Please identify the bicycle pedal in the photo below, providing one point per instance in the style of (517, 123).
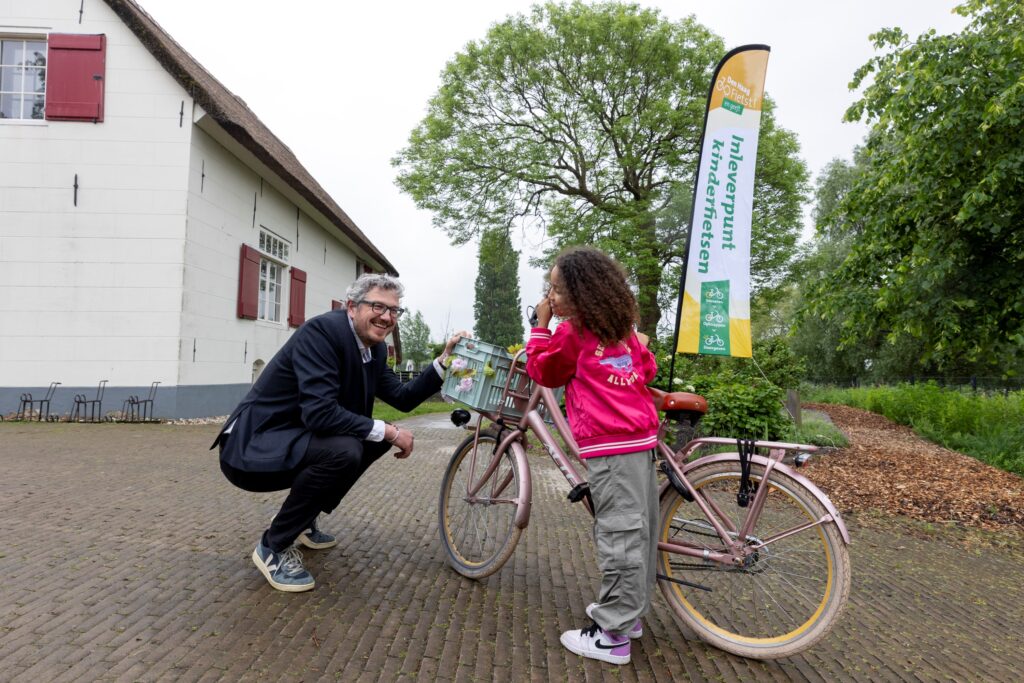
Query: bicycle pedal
(674, 480)
(579, 492)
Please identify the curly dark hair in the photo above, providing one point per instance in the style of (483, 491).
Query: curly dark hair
(599, 295)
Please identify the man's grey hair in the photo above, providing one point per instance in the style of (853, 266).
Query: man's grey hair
(364, 283)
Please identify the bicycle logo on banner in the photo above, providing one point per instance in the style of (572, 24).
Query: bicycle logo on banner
(715, 317)
(714, 340)
(714, 293)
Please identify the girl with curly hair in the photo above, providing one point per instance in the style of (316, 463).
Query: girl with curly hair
(605, 365)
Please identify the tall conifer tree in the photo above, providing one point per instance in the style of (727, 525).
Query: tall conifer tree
(497, 309)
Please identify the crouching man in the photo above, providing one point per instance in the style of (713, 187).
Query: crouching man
(305, 425)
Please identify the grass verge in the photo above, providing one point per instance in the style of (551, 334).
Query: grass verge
(382, 411)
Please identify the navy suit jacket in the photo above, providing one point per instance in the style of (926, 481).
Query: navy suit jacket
(317, 384)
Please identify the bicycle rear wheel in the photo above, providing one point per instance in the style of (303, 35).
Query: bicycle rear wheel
(790, 592)
(477, 513)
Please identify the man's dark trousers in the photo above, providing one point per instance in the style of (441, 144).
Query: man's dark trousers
(331, 465)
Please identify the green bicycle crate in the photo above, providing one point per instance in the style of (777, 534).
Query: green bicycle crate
(480, 383)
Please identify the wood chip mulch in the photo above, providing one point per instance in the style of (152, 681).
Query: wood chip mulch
(890, 469)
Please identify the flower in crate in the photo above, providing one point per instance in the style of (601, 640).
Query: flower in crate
(465, 384)
(488, 370)
(514, 349)
(458, 364)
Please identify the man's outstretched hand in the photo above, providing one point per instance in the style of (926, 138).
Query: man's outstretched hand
(403, 442)
(450, 346)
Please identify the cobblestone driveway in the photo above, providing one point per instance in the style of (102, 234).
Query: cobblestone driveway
(124, 556)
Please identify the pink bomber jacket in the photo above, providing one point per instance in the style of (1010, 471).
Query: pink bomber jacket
(610, 411)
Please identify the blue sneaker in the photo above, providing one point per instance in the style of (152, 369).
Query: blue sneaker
(636, 631)
(316, 539)
(283, 570)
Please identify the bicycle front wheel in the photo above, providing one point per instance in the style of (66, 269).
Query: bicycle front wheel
(479, 499)
(788, 594)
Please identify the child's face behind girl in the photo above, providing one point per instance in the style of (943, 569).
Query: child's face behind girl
(557, 295)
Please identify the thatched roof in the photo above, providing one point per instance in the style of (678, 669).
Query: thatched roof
(232, 114)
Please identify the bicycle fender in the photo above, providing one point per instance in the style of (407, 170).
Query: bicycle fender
(789, 472)
(522, 517)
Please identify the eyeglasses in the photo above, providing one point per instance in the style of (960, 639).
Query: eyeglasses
(378, 308)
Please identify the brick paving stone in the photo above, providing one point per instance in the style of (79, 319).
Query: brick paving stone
(145, 576)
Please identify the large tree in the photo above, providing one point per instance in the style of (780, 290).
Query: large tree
(415, 338)
(586, 120)
(498, 311)
(939, 250)
(817, 339)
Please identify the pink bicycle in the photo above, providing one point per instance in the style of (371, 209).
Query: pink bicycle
(752, 555)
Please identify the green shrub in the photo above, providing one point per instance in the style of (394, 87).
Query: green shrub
(741, 407)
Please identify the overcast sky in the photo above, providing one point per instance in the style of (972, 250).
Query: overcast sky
(343, 83)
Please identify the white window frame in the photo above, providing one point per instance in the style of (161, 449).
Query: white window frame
(274, 251)
(21, 93)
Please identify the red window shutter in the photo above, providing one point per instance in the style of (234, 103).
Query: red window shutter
(75, 76)
(249, 283)
(336, 305)
(297, 298)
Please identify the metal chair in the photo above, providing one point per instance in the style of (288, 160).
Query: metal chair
(92, 406)
(28, 404)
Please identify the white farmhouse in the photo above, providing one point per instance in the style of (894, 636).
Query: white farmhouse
(152, 229)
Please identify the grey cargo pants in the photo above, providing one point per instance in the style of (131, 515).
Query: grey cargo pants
(625, 492)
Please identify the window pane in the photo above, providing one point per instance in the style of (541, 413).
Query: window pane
(10, 107)
(11, 79)
(35, 53)
(10, 51)
(35, 80)
(34, 106)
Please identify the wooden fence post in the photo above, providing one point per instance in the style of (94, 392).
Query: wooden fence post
(793, 406)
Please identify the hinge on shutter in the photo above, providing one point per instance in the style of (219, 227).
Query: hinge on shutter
(181, 115)
(81, 10)
(76, 189)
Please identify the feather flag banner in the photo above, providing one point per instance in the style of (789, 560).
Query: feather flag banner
(714, 310)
